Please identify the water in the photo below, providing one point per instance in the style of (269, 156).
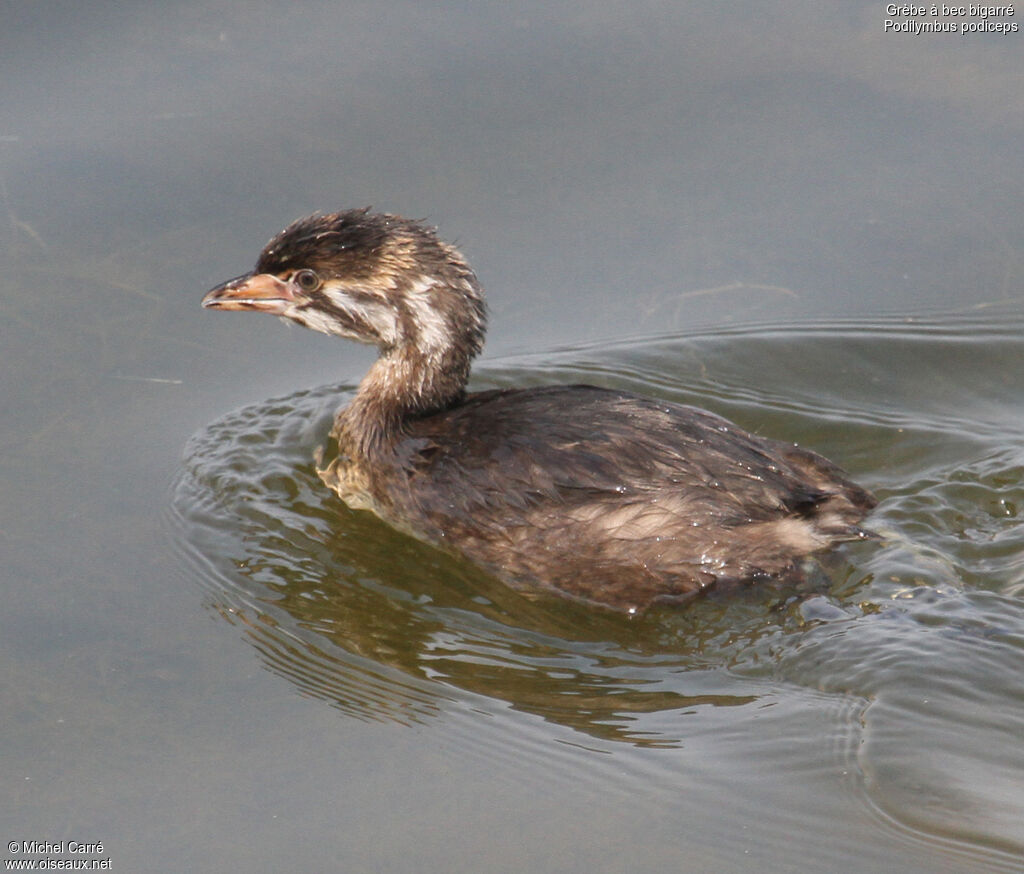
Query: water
(798, 220)
(886, 688)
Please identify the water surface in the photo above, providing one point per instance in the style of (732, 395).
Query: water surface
(781, 213)
(886, 687)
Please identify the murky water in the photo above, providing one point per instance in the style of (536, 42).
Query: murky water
(889, 683)
(210, 664)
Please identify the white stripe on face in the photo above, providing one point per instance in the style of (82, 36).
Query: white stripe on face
(378, 314)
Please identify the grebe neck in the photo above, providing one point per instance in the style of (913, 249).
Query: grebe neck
(423, 375)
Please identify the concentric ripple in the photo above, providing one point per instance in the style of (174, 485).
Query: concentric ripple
(899, 663)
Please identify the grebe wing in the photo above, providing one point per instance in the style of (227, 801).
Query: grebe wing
(580, 444)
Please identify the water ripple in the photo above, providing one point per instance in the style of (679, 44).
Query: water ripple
(894, 667)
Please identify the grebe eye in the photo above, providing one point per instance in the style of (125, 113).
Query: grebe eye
(307, 280)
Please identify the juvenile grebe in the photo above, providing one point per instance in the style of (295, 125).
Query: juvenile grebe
(600, 495)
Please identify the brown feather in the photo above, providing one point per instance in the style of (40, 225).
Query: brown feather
(600, 495)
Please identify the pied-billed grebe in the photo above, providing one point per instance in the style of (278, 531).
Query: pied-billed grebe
(601, 495)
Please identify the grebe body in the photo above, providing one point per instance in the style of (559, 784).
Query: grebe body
(595, 494)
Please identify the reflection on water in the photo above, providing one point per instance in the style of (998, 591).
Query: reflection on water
(912, 647)
(384, 626)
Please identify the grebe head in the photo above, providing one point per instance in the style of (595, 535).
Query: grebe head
(379, 279)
